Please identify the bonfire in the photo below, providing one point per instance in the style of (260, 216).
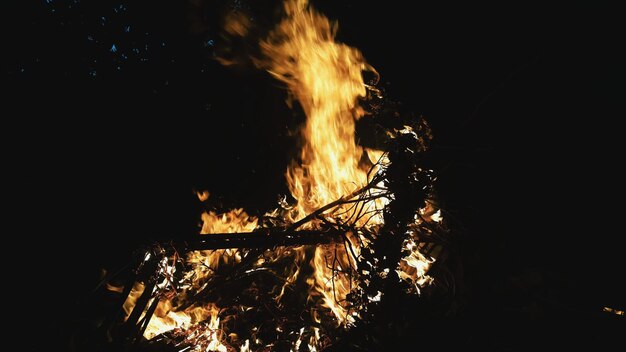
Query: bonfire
(360, 230)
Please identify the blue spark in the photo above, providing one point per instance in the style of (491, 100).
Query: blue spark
(113, 48)
(127, 29)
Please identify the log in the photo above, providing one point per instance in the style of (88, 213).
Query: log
(265, 238)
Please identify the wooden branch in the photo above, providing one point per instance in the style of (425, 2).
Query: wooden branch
(331, 205)
(143, 324)
(264, 238)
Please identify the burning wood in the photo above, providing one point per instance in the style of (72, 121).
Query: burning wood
(364, 229)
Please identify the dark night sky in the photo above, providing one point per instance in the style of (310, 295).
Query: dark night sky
(103, 149)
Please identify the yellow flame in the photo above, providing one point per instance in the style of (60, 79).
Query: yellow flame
(414, 267)
(326, 78)
(131, 300)
(236, 220)
(214, 334)
(166, 319)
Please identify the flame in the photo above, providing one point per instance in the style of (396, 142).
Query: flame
(413, 267)
(236, 220)
(326, 78)
(166, 319)
(129, 304)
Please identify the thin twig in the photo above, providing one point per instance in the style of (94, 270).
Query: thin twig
(326, 207)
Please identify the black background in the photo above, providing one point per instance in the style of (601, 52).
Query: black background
(523, 103)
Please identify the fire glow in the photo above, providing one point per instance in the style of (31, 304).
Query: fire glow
(334, 184)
